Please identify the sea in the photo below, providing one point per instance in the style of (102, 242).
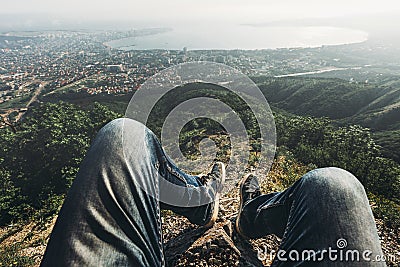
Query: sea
(242, 37)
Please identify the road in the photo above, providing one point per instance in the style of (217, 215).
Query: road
(21, 111)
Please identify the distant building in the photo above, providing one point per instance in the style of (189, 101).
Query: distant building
(184, 52)
(115, 68)
(220, 59)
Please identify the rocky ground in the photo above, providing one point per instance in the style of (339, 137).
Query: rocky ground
(186, 244)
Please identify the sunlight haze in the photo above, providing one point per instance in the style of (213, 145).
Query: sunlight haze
(245, 11)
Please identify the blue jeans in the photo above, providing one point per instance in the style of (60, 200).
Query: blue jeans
(324, 219)
(108, 220)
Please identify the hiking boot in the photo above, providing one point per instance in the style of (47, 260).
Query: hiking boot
(215, 179)
(211, 187)
(249, 189)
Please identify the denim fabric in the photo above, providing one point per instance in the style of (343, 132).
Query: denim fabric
(324, 206)
(108, 220)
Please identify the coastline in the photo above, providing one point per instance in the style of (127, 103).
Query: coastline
(130, 46)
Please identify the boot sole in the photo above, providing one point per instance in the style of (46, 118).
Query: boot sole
(217, 197)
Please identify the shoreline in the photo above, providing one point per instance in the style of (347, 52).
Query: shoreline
(132, 47)
(105, 44)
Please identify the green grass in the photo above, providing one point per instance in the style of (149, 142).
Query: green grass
(11, 256)
(386, 210)
(19, 102)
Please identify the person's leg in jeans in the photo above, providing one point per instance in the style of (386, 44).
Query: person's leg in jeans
(107, 218)
(326, 210)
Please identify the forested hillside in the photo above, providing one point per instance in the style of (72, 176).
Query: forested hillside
(370, 105)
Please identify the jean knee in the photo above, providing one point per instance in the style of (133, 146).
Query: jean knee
(120, 124)
(112, 128)
(333, 179)
(124, 130)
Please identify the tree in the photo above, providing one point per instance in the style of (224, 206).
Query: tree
(352, 148)
(41, 158)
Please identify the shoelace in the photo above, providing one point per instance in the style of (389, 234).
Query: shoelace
(204, 180)
(255, 194)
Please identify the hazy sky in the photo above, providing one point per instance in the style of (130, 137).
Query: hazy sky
(235, 10)
(124, 14)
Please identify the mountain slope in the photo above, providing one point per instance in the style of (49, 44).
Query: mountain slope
(374, 106)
